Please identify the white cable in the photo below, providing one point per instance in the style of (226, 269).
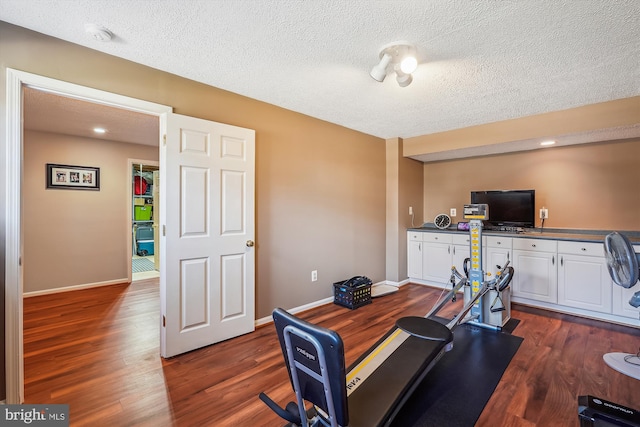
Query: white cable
(438, 300)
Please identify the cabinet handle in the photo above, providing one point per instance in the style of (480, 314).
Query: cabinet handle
(583, 249)
(553, 260)
(561, 261)
(419, 247)
(533, 245)
(499, 243)
(508, 256)
(454, 250)
(449, 249)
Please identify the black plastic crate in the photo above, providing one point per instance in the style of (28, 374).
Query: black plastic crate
(351, 296)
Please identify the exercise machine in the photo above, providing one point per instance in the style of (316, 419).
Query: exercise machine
(493, 309)
(373, 390)
(597, 412)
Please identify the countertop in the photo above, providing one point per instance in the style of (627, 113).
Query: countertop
(593, 236)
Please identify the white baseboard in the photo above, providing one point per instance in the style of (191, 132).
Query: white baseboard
(392, 283)
(269, 319)
(74, 288)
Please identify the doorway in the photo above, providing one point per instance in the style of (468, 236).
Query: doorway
(207, 241)
(16, 82)
(145, 261)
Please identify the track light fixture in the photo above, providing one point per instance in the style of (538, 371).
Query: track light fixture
(401, 56)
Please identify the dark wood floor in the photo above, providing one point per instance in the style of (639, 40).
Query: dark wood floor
(97, 350)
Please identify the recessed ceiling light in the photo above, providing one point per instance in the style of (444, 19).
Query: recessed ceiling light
(546, 143)
(99, 130)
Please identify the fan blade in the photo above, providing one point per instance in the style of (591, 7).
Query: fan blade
(622, 261)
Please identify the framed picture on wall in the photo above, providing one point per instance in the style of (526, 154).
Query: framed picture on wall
(67, 177)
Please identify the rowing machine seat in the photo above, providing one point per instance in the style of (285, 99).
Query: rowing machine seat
(315, 361)
(425, 328)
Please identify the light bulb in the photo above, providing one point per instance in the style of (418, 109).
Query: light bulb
(409, 64)
(403, 80)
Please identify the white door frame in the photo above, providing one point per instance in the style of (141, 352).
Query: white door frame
(14, 351)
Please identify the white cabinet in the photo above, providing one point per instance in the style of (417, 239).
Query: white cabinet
(535, 277)
(583, 278)
(498, 252)
(561, 275)
(414, 254)
(436, 257)
(621, 306)
(621, 297)
(460, 251)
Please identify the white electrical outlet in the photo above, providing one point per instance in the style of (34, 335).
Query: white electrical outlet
(544, 213)
(410, 210)
(314, 276)
(452, 212)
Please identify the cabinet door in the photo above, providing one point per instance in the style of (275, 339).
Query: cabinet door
(459, 253)
(620, 303)
(621, 297)
(496, 257)
(535, 275)
(584, 282)
(460, 250)
(436, 262)
(414, 258)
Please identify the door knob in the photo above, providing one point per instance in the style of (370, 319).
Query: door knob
(250, 243)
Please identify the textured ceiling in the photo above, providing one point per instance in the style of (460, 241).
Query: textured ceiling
(480, 61)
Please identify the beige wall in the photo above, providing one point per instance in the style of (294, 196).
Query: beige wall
(592, 186)
(579, 120)
(76, 237)
(320, 187)
(320, 202)
(393, 153)
(404, 190)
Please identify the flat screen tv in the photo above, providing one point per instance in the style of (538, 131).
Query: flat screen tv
(508, 208)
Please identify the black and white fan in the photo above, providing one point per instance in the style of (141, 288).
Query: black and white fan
(623, 265)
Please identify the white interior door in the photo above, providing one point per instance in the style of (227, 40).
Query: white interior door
(207, 171)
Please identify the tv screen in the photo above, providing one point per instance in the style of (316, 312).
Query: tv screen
(508, 208)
